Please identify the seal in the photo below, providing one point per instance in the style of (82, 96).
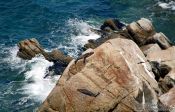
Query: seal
(87, 92)
(84, 56)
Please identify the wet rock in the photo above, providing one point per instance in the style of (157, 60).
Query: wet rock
(60, 62)
(168, 99)
(57, 55)
(110, 79)
(112, 24)
(95, 43)
(29, 48)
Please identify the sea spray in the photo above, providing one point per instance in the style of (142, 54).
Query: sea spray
(80, 33)
(36, 86)
(167, 5)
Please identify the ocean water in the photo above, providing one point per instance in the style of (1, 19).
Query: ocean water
(61, 24)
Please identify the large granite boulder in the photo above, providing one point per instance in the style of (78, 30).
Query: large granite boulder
(141, 30)
(114, 77)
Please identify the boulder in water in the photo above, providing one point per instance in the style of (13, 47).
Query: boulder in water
(29, 48)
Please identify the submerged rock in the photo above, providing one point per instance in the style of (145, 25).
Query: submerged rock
(111, 79)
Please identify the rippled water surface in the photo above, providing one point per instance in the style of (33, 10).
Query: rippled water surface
(62, 24)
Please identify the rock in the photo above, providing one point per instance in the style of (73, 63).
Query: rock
(146, 49)
(29, 48)
(60, 62)
(141, 31)
(95, 43)
(167, 55)
(56, 55)
(167, 59)
(111, 79)
(168, 99)
(161, 40)
(112, 24)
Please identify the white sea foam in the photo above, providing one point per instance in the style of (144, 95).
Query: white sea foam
(170, 5)
(84, 32)
(12, 60)
(34, 85)
(80, 34)
(37, 87)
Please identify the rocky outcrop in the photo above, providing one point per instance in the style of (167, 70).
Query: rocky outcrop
(141, 32)
(111, 79)
(129, 68)
(29, 48)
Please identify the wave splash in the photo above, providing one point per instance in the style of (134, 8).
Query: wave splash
(167, 5)
(34, 85)
(37, 87)
(80, 33)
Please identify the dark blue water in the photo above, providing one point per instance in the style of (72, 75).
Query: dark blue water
(59, 24)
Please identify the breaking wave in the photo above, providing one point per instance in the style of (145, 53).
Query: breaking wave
(33, 84)
(80, 33)
(167, 5)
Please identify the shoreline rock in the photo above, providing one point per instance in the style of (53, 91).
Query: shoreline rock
(106, 83)
(29, 48)
(129, 68)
